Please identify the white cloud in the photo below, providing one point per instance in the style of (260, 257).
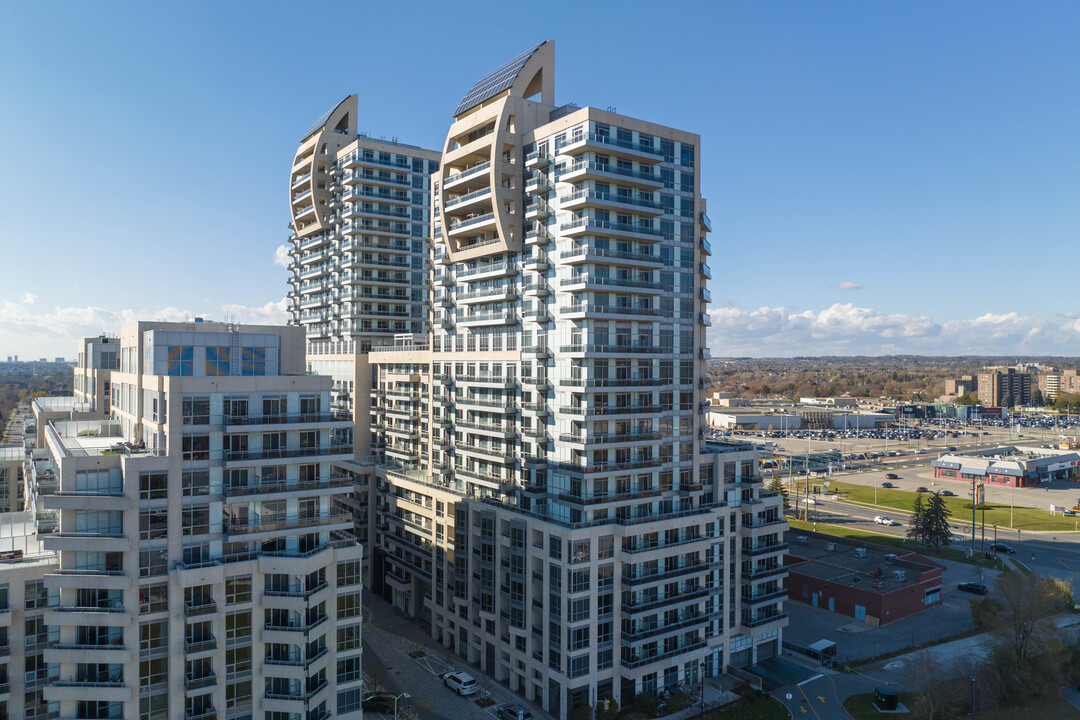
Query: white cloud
(846, 329)
(272, 313)
(846, 285)
(28, 298)
(281, 256)
(55, 333)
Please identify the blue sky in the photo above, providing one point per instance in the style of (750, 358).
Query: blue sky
(882, 177)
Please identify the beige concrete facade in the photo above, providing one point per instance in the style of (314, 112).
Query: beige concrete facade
(552, 510)
(203, 566)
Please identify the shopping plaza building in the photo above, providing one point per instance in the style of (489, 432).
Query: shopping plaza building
(543, 500)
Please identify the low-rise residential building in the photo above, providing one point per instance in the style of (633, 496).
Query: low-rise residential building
(11, 478)
(1009, 465)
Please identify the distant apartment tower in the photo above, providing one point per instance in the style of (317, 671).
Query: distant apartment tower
(201, 564)
(966, 385)
(1053, 384)
(1006, 386)
(547, 499)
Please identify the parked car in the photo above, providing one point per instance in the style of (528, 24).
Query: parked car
(1002, 547)
(887, 485)
(974, 588)
(378, 702)
(514, 712)
(921, 489)
(951, 448)
(892, 476)
(461, 683)
(882, 520)
(947, 493)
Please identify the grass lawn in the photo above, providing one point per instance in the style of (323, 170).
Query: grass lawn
(946, 553)
(1025, 518)
(861, 707)
(757, 707)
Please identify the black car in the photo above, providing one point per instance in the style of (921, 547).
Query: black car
(378, 702)
(892, 476)
(886, 485)
(1002, 547)
(975, 588)
(947, 493)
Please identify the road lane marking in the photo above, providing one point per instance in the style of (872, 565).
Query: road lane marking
(809, 680)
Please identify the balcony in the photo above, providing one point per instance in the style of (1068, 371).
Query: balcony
(297, 627)
(196, 646)
(277, 420)
(645, 179)
(198, 609)
(754, 550)
(237, 456)
(636, 661)
(609, 143)
(202, 681)
(324, 522)
(471, 173)
(474, 224)
(641, 204)
(753, 620)
(274, 487)
(637, 231)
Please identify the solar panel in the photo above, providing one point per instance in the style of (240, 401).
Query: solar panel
(495, 81)
(320, 122)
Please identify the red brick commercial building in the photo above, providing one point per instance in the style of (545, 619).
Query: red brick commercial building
(868, 582)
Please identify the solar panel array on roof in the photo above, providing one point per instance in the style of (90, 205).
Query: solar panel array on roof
(495, 81)
(320, 122)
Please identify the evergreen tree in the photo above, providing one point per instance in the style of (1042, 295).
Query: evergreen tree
(776, 485)
(918, 514)
(1037, 398)
(935, 522)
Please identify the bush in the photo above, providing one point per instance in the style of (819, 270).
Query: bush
(581, 712)
(646, 703)
(607, 709)
(983, 612)
(679, 701)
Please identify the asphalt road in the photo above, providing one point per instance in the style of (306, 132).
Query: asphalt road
(1054, 555)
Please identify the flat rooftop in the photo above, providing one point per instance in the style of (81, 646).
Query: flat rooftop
(872, 573)
(88, 437)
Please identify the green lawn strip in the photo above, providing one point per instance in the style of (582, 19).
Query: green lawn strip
(753, 707)
(1025, 518)
(945, 553)
(861, 707)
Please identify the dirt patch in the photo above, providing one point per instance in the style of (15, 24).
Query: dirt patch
(417, 654)
(485, 702)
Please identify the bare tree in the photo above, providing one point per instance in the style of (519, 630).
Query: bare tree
(935, 683)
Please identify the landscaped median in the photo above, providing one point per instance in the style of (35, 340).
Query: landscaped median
(1023, 518)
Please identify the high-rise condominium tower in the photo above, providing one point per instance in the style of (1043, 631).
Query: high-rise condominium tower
(196, 563)
(553, 510)
(359, 247)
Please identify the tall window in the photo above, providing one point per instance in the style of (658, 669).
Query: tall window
(217, 361)
(180, 360)
(253, 361)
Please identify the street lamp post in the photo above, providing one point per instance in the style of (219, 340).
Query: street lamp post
(402, 695)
